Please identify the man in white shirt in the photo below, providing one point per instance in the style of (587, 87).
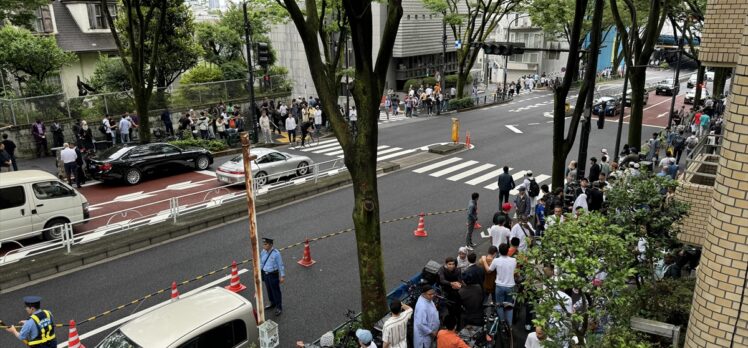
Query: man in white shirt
(499, 234)
(522, 231)
(556, 218)
(395, 328)
(68, 157)
(536, 339)
(504, 267)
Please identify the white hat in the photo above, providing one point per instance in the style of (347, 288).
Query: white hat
(528, 173)
(636, 165)
(605, 151)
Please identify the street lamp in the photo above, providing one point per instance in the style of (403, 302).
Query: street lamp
(506, 58)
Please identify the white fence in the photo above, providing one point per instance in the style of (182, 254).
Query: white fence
(158, 212)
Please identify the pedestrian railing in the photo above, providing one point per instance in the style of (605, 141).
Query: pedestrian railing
(162, 211)
(702, 162)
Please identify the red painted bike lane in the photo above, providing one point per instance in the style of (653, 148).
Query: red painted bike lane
(656, 111)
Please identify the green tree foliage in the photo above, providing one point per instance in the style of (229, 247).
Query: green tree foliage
(471, 22)
(109, 76)
(20, 12)
(201, 73)
(31, 57)
(220, 43)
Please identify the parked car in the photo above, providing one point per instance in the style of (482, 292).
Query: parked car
(667, 87)
(612, 106)
(34, 200)
(692, 80)
(691, 94)
(709, 76)
(269, 165)
(214, 317)
(131, 162)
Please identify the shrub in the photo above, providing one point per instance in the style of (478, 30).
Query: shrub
(451, 80)
(456, 104)
(204, 72)
(425, 81)
(211, 145)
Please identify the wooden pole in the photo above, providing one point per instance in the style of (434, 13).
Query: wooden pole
(254, 243)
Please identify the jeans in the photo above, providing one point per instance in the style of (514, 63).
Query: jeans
(469, 235)
(292, 135)
(124, 137)
(505, 295)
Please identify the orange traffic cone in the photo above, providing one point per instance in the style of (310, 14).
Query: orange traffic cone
(467, 140)
(73, 340)
(421, 230)
(307, 261)
(174, 291)
(236, 284)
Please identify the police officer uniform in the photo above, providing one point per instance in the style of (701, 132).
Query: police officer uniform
(273, 271)
(39, 329)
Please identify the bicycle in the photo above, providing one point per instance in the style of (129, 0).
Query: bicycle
(349, 339)
(489, 334)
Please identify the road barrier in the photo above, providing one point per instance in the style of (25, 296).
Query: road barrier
(158, 212)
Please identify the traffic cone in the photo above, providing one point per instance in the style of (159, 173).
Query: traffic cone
(73, 340)
(467, 140)
(307, 261)
(174, 291)
(421, 230)
(236, 284)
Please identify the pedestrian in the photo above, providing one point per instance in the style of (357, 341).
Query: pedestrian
(202, 126)
(68, 157)
(489, 277)
(317, 121)
(506, 184)
(462, 260)
(353, 117)
(524, 232)
(522, 203)
(166, 119)
(536, 339)
(504, 267)
(595, 169)
(395, 328)
(540, 217)
(448, 337)
(472, 219)
(273, 274)
(291, 128)
(221, 127)
(86, 136)
(595, 197)
(498, 232)
(107, 127)
(265, 127)
(556, 218)
(425, 319)
(58, 137)
(704, 124)
(10, 148)
(365, 339)
(80, 174)
(124, 130)
(39, 329)
(5, 162)
(533, 190)
(450, 281)
(39, 132)
(691, 143)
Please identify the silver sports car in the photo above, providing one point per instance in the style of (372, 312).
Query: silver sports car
(270, 166)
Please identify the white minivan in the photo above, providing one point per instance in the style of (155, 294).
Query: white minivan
(35, 202)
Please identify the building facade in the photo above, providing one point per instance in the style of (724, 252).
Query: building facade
(719, 312)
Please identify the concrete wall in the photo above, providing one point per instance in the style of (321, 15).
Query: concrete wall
(84, 68)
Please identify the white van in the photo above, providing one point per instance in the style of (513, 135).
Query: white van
(36, 202)
(213, 318)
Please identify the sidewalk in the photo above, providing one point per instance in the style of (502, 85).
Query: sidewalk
(46, 164)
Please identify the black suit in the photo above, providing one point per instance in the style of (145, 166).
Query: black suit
(594, 199)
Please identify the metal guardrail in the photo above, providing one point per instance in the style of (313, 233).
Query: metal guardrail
(158, 212)
(706, 152)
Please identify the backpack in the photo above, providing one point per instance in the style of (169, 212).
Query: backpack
(679, 142)
(102, 128)
(534, 189)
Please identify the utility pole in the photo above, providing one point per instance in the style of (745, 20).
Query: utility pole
(623, 109)
(676, 83)
(442, 78)
(253, 240)
(251, 72)
(594, 51)
(506, 58)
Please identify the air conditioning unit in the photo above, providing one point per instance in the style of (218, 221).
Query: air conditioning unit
(269, 334)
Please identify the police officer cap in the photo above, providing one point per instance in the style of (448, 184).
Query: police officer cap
(32, 300)
(267, 240)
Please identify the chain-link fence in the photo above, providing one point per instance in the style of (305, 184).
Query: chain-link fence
(21, 111)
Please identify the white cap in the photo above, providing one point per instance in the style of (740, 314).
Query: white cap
(605, 151)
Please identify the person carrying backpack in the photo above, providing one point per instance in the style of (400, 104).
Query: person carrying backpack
(533, 191)
(679, 143)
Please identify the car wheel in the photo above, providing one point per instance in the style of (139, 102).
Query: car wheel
(53, 229)
(261, 178)
(202, 163)
(133, 176)
(302, 169)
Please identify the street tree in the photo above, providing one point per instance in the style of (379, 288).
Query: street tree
(639, 39)
(31, 58)
(471, 22)
(562, 145)
(144, 22)
(585, 257)
(324, 27)
(109, 76)
(20, 12)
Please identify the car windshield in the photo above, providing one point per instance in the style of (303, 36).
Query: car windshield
(117, 340)
(113, 153)
(236, 159)
(667, 82)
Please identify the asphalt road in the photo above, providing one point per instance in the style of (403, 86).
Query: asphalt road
(323, 292)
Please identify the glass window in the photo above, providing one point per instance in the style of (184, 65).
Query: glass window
(228, 335)
(43, 20)
(52, 189)
(11, 197)
(275, 156)
(117, 340)
(97, 17)
(169, 149)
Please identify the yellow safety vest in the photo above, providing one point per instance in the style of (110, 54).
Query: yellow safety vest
(45, 327)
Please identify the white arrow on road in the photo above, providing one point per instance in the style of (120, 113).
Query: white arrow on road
(132, 197)
(182, 185)
(662, 114)
(513, 129)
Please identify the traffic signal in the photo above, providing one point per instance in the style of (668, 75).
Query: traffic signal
(263, 53)
(503, 48)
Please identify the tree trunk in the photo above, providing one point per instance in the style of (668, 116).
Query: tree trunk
(142, 100)
(461, 78)
(720, 78)
(700, 76)
(637, 82)
(559, 156)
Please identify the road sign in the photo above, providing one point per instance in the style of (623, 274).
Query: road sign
(458, 44)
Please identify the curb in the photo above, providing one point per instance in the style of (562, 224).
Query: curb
(58, 261)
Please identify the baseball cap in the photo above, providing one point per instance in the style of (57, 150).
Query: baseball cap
(364, 336)
(506, 206)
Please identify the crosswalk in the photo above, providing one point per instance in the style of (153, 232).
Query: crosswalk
(331, 147)
(393, 118)
(474, 173)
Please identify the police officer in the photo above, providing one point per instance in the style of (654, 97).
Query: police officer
(39, 329)
(273, 274)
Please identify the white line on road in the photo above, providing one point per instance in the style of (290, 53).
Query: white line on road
(437, 165)
(453, 168)
(148, 310)
(662, 115)
(513, 129)
(664, 101)
(490, 176)
(396, 154)
(470, 172)
(533, 124)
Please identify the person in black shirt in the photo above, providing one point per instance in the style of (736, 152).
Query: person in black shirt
(450, 280)
(10, 148)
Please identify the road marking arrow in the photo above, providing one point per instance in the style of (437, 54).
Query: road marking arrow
(513, 129)
(131, 197)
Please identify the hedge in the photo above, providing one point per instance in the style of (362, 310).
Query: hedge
(456, 104)
(211, 145)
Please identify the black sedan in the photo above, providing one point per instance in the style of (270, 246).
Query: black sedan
(131, 162)
(667, 87)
